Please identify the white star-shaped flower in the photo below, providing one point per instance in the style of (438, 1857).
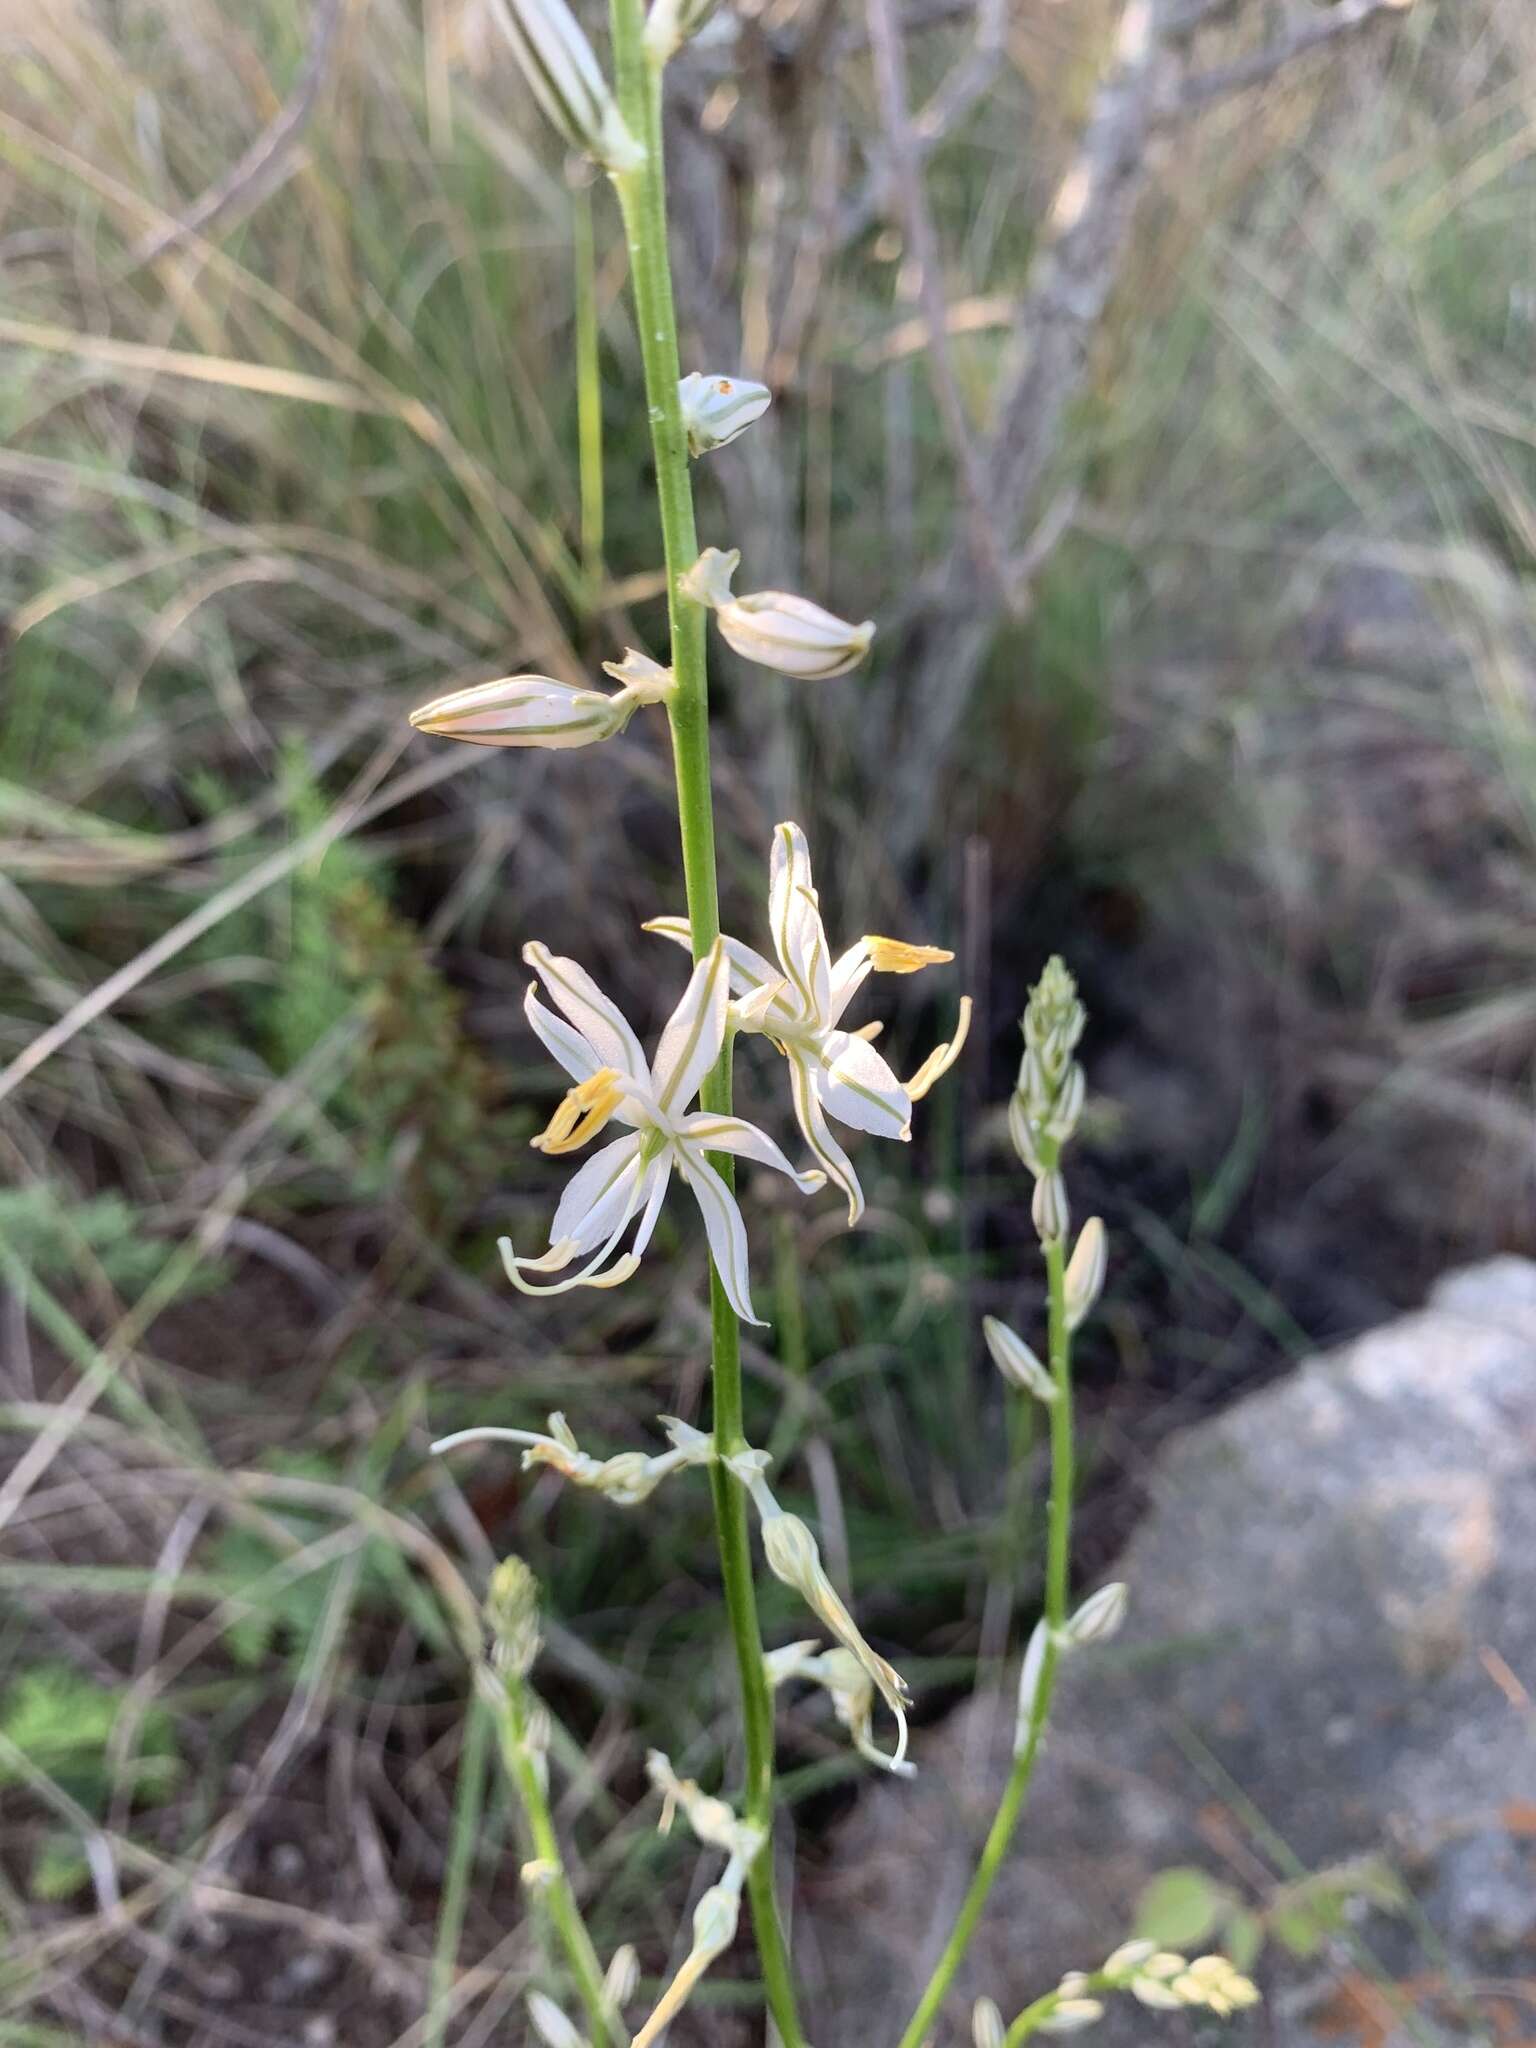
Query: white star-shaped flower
(800, 1004)
(628, 1177)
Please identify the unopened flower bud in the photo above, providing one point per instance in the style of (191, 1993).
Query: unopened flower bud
(1071, 2014)
(1085, 1272)
(1099, 1617)
(550, 2023)
(1062, 1120)
(511, 1613)
(1016, 1362)
(1025, 1134)
(1128, 1958)
(567, 80)
(622, 1977)
(717, 409)
(1049, 1208)
(986, 2024)
(1031, 1677)
(525, 711)
(774, 627)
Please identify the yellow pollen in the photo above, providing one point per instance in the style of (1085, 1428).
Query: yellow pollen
(582, 1112)
(895, 956)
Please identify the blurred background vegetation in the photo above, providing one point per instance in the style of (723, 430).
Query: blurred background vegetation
(1245, 730)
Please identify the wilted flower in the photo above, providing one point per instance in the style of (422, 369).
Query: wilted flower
(850, 1689)
(629, 1177)
(538, 711)
(800, 1004)
(1016, 1361)
(794, 1558)
(716, 1915)
(774, 627)
(716, 409)
(566, 79)
(627, 1479)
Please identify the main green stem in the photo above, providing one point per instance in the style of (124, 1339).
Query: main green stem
(642, 198)
(555, 1891)
(1058, 1557)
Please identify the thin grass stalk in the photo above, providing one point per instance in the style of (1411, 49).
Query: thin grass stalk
(589, 387)
(463, 1840)
(1058, 1559)
(642, 198)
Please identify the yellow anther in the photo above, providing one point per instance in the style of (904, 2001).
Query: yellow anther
(895, 956)
(943, 1057)
(582, 1112)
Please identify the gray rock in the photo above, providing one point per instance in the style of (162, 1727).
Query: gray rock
(1332, 1613)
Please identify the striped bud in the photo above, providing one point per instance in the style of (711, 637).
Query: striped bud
(1085, 1271)
(717, 409)
(1049, 1208)
(1016, 1362)
(567, 80)
(525, 711)
(1098, 1618)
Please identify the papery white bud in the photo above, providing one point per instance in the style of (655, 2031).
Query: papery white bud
(1085, 1271)
(774, 627)
(1053, 1217)
(1063, 1118)
(1129, 1958)
(986, 2024)
(1031, 1673)
(716, 409)
(567, 80)
(525, 711)
(1071, 2014)
(1073, 1984)
(1098, 1618)
(1022, 1130)
(671, 23)
(551, 2024)
(1016, 1362)
(622, 1977)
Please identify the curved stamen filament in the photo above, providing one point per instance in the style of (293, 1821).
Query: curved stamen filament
(943, 1057)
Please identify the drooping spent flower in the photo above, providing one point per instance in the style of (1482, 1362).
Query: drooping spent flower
(626, 1479)
(849, 1687)
(799, 1005)
(566, 79)
(794, 1558)
(716, 1915)
(774, 627)
(716, 409)
(539, 711)
(613, 1081)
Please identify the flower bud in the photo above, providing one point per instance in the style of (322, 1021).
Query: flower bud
(1099, 1617)
(1128, 1958)
(1049, 1208)
(774, 627)
(671, 23)
(525, 711)
(551, 2024)
(1031, 1675)
(1071, 2014)
(986, 2024)
(717, 409)
(567, 80)
(621, 1979)
(1016, 1362)
(511, 1613)
(1085, 1272)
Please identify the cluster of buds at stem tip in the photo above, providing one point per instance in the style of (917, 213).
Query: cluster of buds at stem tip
(1155, 1977)
(1048, 1097)
(627, 1479)
(566, 79)
(1095, 1621)
(511, 1615)
(794, 1558)
(716, 409)
(773, 627)
(538, 711)
(715, 1917)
